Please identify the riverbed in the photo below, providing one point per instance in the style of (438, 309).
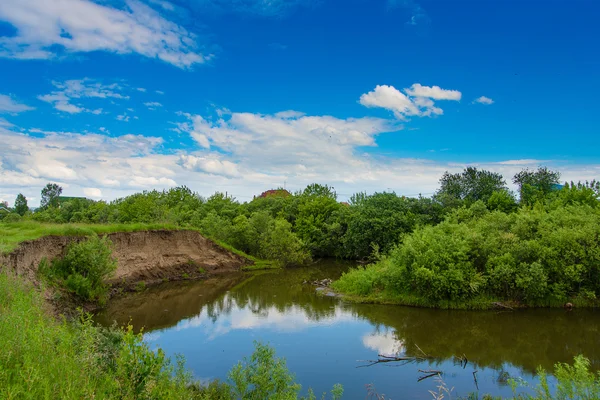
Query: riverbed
(214, 323)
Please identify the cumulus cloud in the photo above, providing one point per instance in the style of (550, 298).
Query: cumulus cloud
(415, 101)
(84, 26)
(94, 193)
(242, 153)
(153, 104)
(484, 100)
(433, 92)
(80, 89)
(209, 164)
(11, 106)
(291, 138)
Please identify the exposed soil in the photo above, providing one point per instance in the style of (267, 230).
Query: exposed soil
(150, 256)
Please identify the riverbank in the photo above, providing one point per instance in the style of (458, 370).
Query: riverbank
(145, 255)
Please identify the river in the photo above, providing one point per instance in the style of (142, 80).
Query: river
(214, 323)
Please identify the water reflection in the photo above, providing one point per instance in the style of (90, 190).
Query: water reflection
(385, 343)
(248, 316)
(323, 337)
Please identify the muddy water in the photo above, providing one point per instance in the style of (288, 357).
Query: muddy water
(214, 323)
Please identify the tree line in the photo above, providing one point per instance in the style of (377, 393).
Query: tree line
(312, 223)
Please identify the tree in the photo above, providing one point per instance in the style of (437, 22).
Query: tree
(536, 185)
(21, 205)
(469, 186)
(319, 190)
(50, 195)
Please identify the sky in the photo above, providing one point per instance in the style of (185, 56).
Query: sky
(111, 97)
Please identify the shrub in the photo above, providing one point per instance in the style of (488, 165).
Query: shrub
(536, 256)
(84, 268)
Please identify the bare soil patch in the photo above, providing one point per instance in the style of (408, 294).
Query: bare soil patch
(149, 256)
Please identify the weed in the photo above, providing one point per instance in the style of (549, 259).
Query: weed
(140, 286)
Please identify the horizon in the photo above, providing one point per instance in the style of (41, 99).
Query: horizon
(109, 98)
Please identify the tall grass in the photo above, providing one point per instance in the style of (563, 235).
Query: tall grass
(41, 358)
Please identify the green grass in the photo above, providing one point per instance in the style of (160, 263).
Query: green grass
(42, 358)
(13, 233)
(258, 265)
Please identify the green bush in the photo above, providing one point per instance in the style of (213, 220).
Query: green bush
(535, 256)
(84, 268)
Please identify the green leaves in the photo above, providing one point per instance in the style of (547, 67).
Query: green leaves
(84, 268)
(534, 256)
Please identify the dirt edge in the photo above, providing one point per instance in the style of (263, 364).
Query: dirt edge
(150, 257)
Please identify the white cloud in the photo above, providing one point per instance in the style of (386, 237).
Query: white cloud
(383, 343)
(209, 164)
(242, 153)
(141, 89)
(153, 104)
(123, 117)
(11, 106)
(84, 26)
(484, 100)
(4, 123)
(164, 4)
(415, 101)
(94, 193)
(433, 92)
(81, 89)
(390, 98)
(159, 92)
(264, 8)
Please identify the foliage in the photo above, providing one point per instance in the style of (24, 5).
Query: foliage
(573, 382)
(536, 185)
(50, 195)
(318, 223)
(84, 268)
(281, 244)
(502, 200)
(75, 360)
(262, 376)
(534, 256)
(21, 207)
(382, 219)
(49, 359)
(469, 186)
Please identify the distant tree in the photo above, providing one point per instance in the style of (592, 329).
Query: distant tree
(316, 189)
(21, 205)
(536, 185)
(469, 186)
(50, 195)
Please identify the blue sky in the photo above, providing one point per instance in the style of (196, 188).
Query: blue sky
(109, 97)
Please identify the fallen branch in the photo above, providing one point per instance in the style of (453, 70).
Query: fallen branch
(430, 371)
(438, 373)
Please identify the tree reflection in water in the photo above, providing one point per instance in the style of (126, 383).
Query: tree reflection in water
(279, 300)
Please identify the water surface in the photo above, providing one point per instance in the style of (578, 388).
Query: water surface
(213, 324)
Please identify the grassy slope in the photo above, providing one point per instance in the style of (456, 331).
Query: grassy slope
(13, 233)
(47, 359)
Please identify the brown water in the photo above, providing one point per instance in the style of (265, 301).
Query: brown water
(213, 324)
